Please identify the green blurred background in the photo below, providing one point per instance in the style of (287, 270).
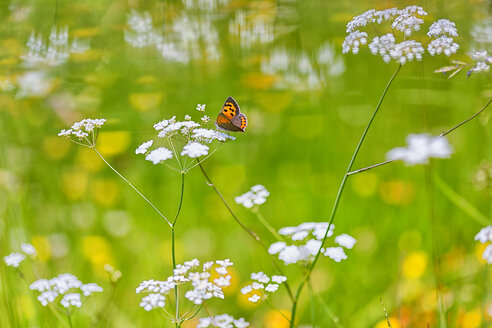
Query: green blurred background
(305, 118)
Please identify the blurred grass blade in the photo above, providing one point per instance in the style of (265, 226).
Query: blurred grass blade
(461, 202)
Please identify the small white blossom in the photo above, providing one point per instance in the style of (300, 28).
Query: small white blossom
(345, 240)
(142, 149)
(205, 119)
(28, 249)
(222, 321)
(200, 107)
(487, 254)
(90, 288)
(254, 298)
(83, 129)
(47, 297)
(442, 45)
(353, 41)
(14, 259)
(484, 235)
(72, 299)
(194, 150)
(420, 148)
(279, 279)
(271, 288)
(153, 301)
(260, 277)
(442, 27)
(258, 288)
(337, 254)
(256, 196)
(159, 155)
(187, 117)
(482, 61)
(407, 23)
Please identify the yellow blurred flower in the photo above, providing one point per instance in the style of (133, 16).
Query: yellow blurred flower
(43, 248)
(414, 265)
(471, 319)
(383, 323)
(479, 249)
(55, 147)
(113, 142)
(274, 101)
(273, 319)
(258, 81)
(97, 250)
(397, 192)
(364, 184)
(105, 191)
(88, 158)
(74, 183)
(144, 101)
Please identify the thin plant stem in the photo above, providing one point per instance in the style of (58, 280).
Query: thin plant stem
(105, 308)
(173, 245)
(69, 318)
(444, 133)
(326, 308)
(337, 198)
(134, 188)
(266, 224)
(311, 301)
(385, 313)
(249, 231)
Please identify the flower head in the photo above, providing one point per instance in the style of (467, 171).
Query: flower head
(420, 148)
(257, 195)
(306, 241)
(262, 286)
(442, 27)
(14, 259)
(222, 321)
(159, 155)
(194, 149)
(85, 131)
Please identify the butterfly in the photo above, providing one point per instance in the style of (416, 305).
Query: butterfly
(230, 117)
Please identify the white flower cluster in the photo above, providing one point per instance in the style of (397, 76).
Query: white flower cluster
(54, 52)
(407, 21)
(482, 61)
(202, 282)
(421, 147)
(86, 128)
(485, 236)
(14, 259)
(262, 286)
(442, 30)
(307, 239)
(194, 134)
(257, 195)
(61, 285)
(222, 321)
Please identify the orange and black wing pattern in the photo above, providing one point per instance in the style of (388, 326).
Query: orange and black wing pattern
(230, 117)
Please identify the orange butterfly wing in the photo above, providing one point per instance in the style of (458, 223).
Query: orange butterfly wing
(230, 117)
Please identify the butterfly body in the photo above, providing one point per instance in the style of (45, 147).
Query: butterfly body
(230, 117)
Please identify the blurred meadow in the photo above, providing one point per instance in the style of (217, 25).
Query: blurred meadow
(307, 105)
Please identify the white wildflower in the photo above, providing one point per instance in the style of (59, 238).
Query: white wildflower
(482, 61)
(353, 41)
(382, 46)
(345, 240)
(90, 288)
(72, 299)
(257, 195)
(28, 249)
(442, 45)
(407, 23)
(337, 254)
(200, 107)
(254, 298)
(361, 20)
(194, 150)
(271, 288)
(153, 301)
(487, 254)
(484, 235)
(187, 117)
(159, 155)
(14, 259)
(85, 130)
(47, 297)
(420, 148)
(205, 119)
(142, 149)
(442, 27)
(222, 321)
(279, 279)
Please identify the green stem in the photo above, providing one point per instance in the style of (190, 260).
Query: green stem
(69, 317)
(339, 194)
(249, 231)
(266, 224)
(134, 188)
(173, 245)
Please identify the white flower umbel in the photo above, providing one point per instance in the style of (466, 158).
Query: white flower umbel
(306, 242)
(159, 155)
(405, 21)
(442, 45)
(199, 284)
(184, 141)
(257, 195)
(194, 149)
(421, 147)
(50, 290)
(14, 259)
(28, 249)
(482, 61)
(222, 321)
(485, 236)
(200, 107)
(84, 132)
(442, 27)
(262, 286)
